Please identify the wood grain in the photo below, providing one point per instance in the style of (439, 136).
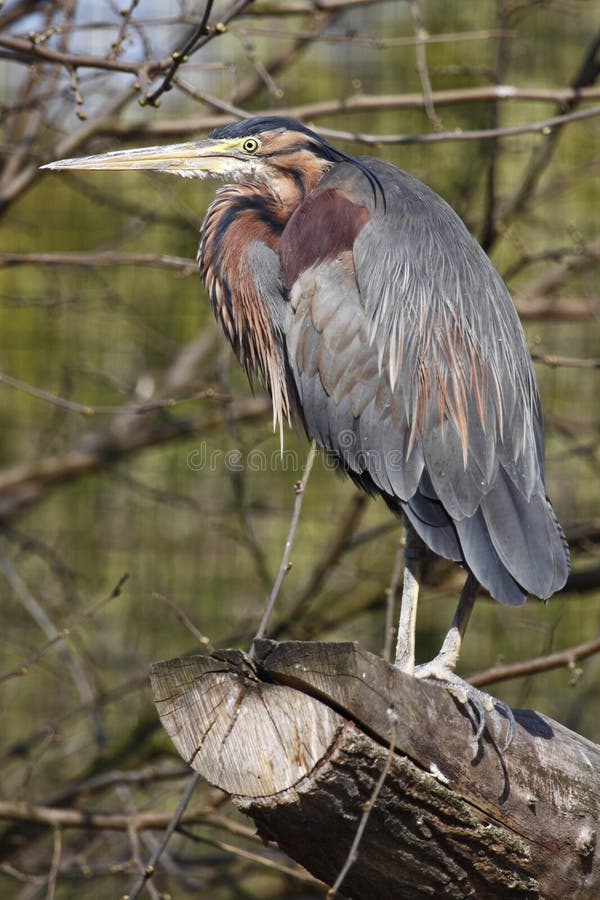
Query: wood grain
(301, 733)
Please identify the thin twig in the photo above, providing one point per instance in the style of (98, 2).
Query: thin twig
(338, 545)
(55, 864)
(353, 852)
(280, 62)
(65, 817)
(185, 620)
(36, 610)
(552, 277)
(382, 43)
(181, 264)
(542, 126)
(172, 826)
(23, 745)
(561, 255)
(107, 780)
(59, 637)
(30, 172)
(538, 664)
(181, 56)
(23, 484)
(421, 37)
(249, 856)
(92, 409)
(568, 309)
(200, 36)
(21, 135)
(239, 483)
(543, 153)
(129, 809)
(116, 48)
(571, 362)
(233, 111)
(285, 565)
(26, 50)
(491, 151)
(357, 103)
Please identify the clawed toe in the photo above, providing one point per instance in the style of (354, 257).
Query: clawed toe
(441, 668)
(480, 703)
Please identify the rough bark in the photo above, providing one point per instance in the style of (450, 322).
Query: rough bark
(300, 735)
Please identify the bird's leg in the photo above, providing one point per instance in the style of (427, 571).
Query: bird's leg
(405, 646)
(441, 668)
(443, 665)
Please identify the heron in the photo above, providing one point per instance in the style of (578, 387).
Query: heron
(372, 315)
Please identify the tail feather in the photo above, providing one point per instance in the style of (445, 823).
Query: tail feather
(482, 558)
(513, 546)
(526, 537)
(434, 526)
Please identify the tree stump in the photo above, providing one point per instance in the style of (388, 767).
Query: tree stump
(300, 735)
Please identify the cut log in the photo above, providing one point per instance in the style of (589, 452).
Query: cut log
(301, 734)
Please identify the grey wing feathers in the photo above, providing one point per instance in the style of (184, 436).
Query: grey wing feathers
(412, 368)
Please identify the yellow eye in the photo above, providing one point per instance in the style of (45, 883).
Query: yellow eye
(250, 145)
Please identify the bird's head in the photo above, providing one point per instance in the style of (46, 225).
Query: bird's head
(260, 149)
(269, 150)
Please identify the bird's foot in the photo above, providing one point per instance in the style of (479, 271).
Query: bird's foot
(468, 696)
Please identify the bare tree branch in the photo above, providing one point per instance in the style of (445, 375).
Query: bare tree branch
(199, 37)
(355, 103)
(534, 666)
(25, 484)
(549, 359)
(61, 817)
(542, 126)
(105, 324)
(102, 258)
(27, 51)
(541, 156)
(284, 566)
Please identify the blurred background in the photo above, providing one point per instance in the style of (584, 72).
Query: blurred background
(132, 446)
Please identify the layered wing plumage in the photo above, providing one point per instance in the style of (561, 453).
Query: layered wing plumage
(411, 368)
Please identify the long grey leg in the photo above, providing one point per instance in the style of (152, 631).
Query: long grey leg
(442, 668)
(445, 662)
(405, 646)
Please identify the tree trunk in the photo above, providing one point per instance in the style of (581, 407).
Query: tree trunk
(301, 735)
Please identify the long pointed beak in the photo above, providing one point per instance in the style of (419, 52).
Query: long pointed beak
(196, 159)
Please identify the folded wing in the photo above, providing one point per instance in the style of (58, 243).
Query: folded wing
(412, 370)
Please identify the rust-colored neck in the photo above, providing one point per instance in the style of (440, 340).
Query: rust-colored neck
(240, 216)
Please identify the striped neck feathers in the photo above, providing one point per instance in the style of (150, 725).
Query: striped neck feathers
(241, 217)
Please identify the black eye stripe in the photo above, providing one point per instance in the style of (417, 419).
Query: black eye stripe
(294, 148)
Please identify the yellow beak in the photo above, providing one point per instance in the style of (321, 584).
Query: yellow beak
(196, 159)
